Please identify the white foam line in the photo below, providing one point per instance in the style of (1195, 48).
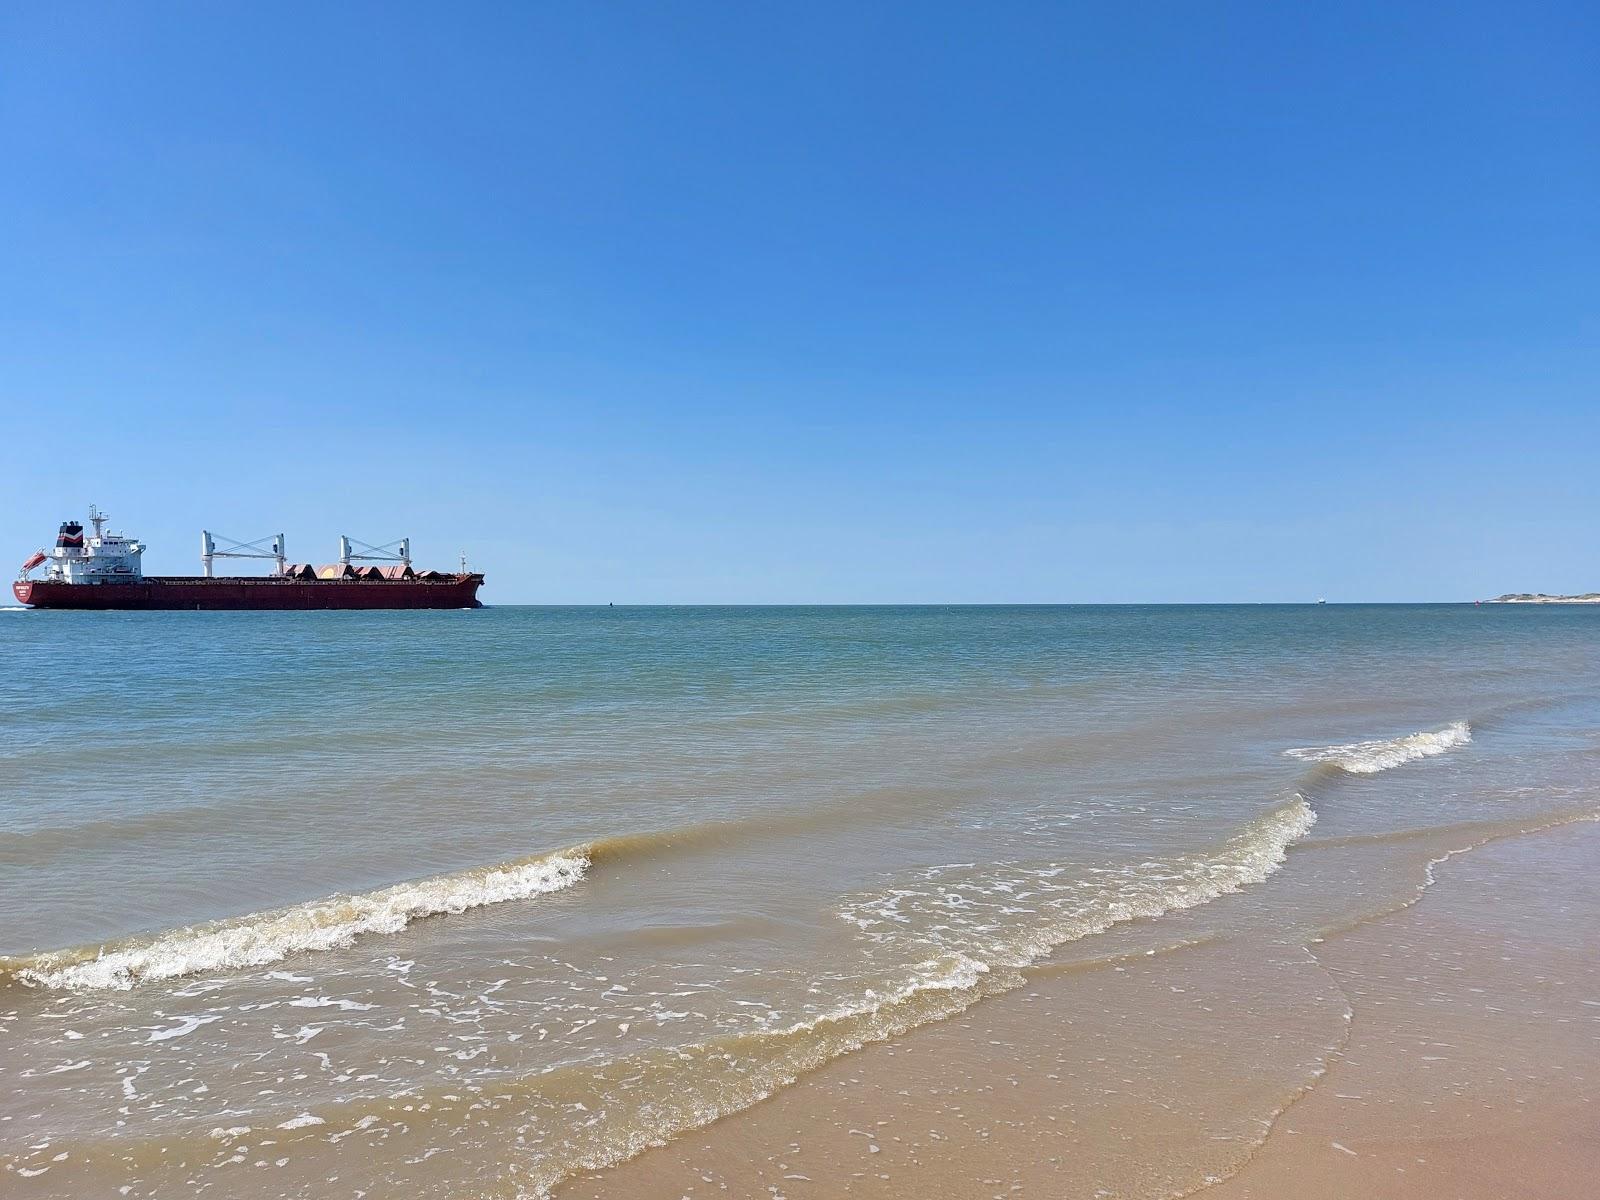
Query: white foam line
(1247, 858)
(1368, 758)
(260, 938)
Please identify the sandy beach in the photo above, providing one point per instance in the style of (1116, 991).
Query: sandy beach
(1467, 1068)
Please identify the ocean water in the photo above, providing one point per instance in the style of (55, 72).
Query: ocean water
(467, 903)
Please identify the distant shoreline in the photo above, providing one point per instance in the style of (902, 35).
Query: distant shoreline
(1541, 598)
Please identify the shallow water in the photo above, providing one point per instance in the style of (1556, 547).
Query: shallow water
(502, 895)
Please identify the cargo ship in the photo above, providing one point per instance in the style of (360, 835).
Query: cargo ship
(103, 570)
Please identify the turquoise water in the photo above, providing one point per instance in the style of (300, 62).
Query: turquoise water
(640, 833)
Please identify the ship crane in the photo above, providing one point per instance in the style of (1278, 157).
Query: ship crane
(273, 549)
(396, 551)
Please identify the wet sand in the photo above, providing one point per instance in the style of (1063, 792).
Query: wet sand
(1450, 1049)
(1474, 1063)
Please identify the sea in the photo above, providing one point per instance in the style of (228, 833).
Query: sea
(465, 904)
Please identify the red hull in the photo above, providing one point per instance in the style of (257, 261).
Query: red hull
(177, 592)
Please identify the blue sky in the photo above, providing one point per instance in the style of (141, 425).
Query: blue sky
(824, 302)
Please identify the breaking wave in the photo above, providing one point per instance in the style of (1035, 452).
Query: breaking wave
(1010, 916)
(591, 1115)
(1065, 912)
(1368, 758)
(989, 925)
(964, 960)
(257, 939)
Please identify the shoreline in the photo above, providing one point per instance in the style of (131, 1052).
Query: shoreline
(1471, 1070)
(1459, 1021)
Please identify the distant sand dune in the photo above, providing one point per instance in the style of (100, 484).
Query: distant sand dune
(1541, 598)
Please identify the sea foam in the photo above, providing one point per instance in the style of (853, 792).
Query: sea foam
(1010, 916)
(257, 939)
(1368, 758)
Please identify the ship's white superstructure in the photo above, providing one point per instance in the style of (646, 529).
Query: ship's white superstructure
(101, 558)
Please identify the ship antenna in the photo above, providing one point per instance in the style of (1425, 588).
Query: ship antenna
(463, 562)
(97, 518)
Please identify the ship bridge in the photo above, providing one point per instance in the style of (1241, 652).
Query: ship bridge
(100, 558)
